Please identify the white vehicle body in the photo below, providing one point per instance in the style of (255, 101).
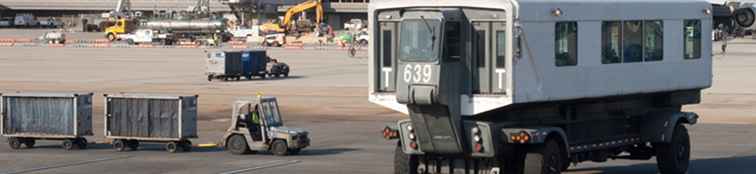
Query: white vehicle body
(239, 32)
(355, 25)
(533, 77)
(54, 37)
(142, 36)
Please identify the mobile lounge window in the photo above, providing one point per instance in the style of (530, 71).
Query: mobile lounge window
(610, 42)
(632, 45)
(417, 39)
(387, 48)
(501, 49)
(692, 31)
(565, 47)
(632, 41)
(653, 38)
(453, 41)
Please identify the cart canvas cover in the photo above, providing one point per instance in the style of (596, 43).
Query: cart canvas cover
(47, 114)
(151, 117)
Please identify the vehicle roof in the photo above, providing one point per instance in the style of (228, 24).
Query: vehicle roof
(254, 100)
(539, 10)
(44, 94)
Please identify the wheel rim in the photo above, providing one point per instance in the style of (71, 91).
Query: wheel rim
(236, 144)
(171, 147)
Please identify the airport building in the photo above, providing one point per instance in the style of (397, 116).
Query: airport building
(336, 11)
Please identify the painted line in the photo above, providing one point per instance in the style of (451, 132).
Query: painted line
(266, 165)
(80, 163)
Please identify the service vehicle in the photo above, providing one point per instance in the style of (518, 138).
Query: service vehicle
(132, 119)
(532, 86)
(25, 20)
(289, 25)
(233, 65)
(274, 40)
(53, 37)
(277, 69)
(29, 117)
(147, 36)
(256, 125)
(51, 23)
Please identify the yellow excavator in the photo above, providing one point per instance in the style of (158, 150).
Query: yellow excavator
(286, 24)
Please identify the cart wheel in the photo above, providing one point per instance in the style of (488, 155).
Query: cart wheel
(279, 148)
(237, 144)
(119, 145)
(249, 77)
(29, 143)
(68, 144)
(210, 78)
(171, 147)
(14, 143)
(186, 146)
(133, 144)
(82, 143)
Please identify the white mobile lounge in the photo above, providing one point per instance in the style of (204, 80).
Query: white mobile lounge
(539, 83)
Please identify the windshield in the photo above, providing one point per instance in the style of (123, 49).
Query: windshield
(272, 118)
(417, 41)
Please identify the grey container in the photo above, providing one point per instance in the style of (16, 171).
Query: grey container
(150, 117)
(46, 115)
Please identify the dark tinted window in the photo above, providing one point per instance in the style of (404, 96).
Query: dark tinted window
(453, 41)
(501, 49)
(632, 45)
(692, 31)
(611, 38)
(565, 47)
(653, 40)
(387, 48)
(480, 47)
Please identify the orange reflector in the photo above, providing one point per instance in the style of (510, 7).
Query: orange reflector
(478, 147)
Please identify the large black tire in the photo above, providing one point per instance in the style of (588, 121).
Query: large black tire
(404, 163)
(186, 146)
(69, 144)
(544, 159)
(119, 145)
(82, 143)
(171, 147)
(237, 144)
(14, 143)
(674, 157)
(29, 143)
(279, 148)
(111, 37)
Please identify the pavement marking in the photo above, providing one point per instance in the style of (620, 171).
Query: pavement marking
(272, 164)
(37, 169)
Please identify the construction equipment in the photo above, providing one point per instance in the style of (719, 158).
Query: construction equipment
(256, 125)
(300, 26)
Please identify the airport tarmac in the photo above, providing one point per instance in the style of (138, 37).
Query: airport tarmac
(326, 94)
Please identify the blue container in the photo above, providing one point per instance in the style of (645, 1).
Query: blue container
(247, 63)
